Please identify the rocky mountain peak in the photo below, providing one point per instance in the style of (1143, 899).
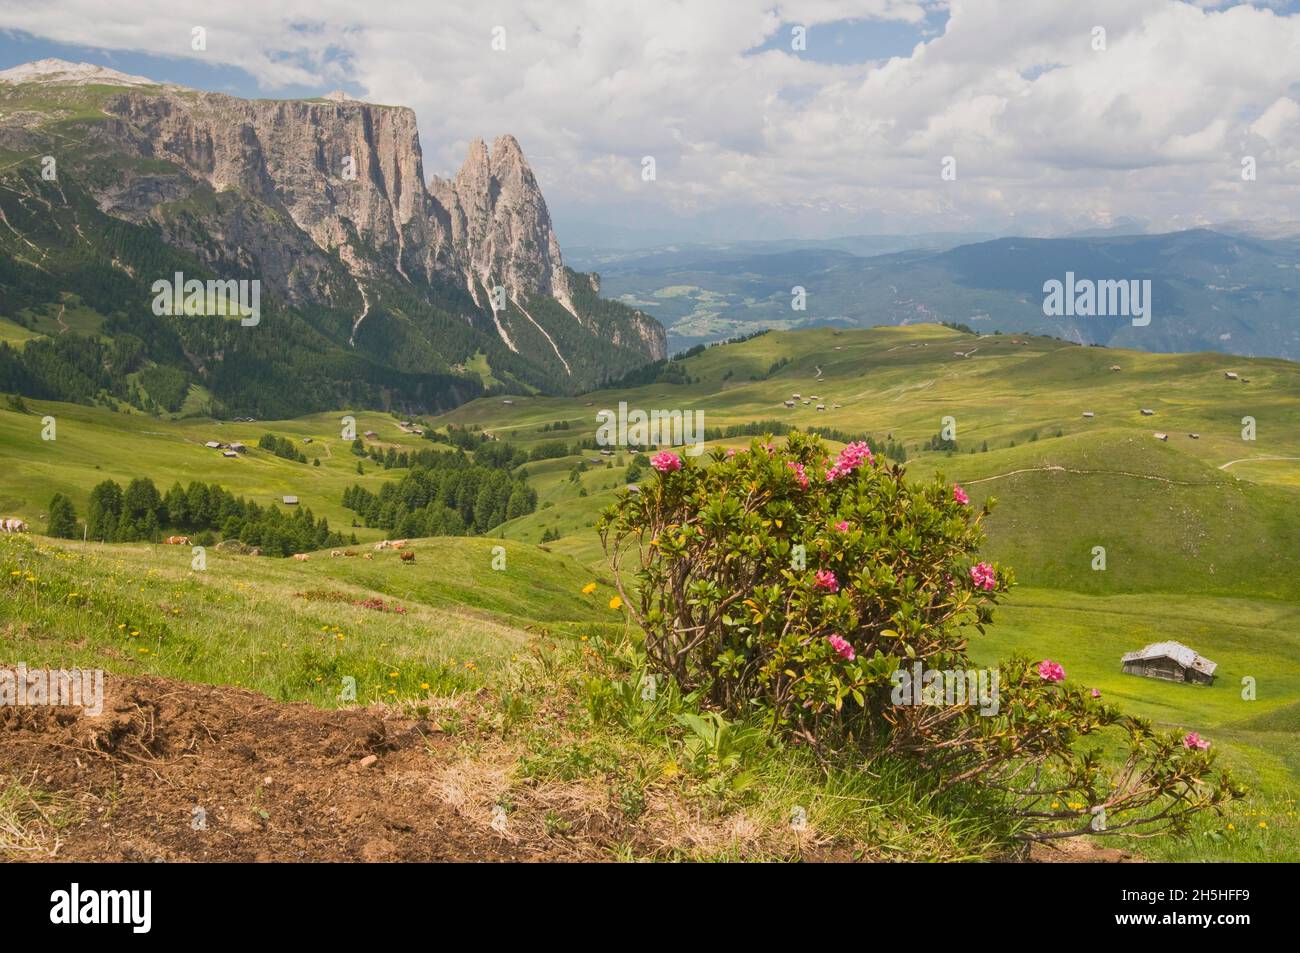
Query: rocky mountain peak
(501, 225)
(325, 200)
(67, 73)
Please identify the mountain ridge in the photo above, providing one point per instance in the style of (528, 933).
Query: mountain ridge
(1228, 292)
(324, 200)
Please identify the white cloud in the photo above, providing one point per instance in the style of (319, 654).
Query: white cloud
(1151, 128)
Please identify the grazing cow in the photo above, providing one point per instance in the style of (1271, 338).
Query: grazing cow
(301, 557)
(382, 545)
(369, 555)
(177, 541)
(349, 552)
(335, 553)
(11, 524)
(408, 557)
(399, 544)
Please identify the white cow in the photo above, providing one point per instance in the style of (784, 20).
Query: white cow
(11, 524)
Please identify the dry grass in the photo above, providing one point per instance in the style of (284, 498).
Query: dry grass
(31, 820)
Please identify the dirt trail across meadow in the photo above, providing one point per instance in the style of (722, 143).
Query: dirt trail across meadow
(1051, 468)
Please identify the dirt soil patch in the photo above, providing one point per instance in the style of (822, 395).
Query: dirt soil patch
(274, 781)
(174, 771)
(1077, 851)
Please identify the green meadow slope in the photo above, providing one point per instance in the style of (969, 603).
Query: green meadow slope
(1211, 514)
(92, 445)
(1201, 540)
(1201, 535)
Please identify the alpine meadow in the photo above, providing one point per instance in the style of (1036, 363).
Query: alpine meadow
(650, 433)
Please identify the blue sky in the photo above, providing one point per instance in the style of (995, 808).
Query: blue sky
(844, 42)
(1050, 134)
(20, 47)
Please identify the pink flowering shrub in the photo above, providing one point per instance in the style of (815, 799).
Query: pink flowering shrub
(825, 579)
(1050, 671)
(850, 458)
(755, 597)
(666, 462)
(842, 647)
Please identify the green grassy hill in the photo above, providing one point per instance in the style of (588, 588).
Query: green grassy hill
(93, 445)
(1202, 544)
(1168, 513)
(283, 627)
(1200, 535)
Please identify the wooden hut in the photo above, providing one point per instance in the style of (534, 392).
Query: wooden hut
(1171, 661)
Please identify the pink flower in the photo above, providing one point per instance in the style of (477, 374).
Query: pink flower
(731, 452)
(959, 495)
(842, 526)
(825, 579)
(666, 462)
(850, 458)
(1096, 693)
(984, 576)
(799, 473)
(1050, 671)
(1196, 742)
(842, 647)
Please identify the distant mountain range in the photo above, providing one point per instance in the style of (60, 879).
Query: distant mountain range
(1214, 290)
(377, 287)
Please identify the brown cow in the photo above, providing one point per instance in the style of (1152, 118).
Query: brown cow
(177, 541)
(349, 552)
(408, 557)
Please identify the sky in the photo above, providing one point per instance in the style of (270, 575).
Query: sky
(766, 119)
